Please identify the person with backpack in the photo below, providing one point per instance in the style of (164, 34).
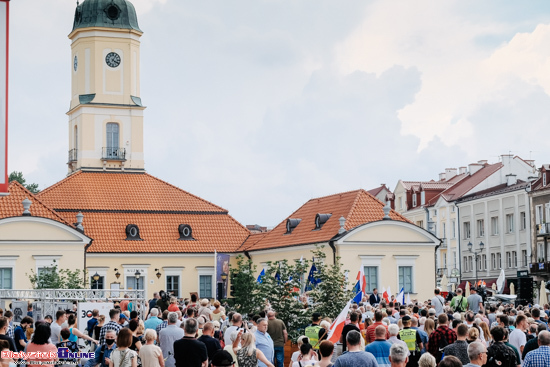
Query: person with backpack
(499, 354)
(459, 303)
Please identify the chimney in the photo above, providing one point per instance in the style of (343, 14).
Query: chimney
(450, 173)
(511, 179)
(26, 206)
(461, 170)
(79, 218)
(442, 176)
(474, 167)
(387, 210)
(482, 162)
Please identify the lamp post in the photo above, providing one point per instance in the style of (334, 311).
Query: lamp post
(476, 254)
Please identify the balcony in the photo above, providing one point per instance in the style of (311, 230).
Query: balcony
(543, 229)
(539, 268)
(73, 154)
(113, 154)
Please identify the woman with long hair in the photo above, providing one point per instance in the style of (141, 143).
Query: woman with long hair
(41, 343)
(429, 326)
(123, 356)
(151, 354)
(75, 333)
(248, 355)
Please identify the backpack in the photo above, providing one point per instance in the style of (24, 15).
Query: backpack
(500, 355)
(458, 305)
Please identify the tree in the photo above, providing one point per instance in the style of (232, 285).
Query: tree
(245, 287)
(52, 277)
(280, 287)
(332, 292)
(18, 176)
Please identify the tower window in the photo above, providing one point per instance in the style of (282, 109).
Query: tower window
(112, 139)
(112, 12)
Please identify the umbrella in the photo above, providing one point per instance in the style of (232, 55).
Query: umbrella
(444, 283)
(512, 289)
(543, 298)
(467, 292)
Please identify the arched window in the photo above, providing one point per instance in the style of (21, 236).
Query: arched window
(112, 139)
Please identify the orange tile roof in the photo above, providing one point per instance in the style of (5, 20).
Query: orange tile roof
(159, 233)
(111, 201)
(11, 205)
(122, 191)
(358, 207)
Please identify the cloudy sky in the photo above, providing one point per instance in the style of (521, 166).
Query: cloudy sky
(260, 105)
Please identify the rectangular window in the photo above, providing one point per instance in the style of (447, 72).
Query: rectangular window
(205, 284)
(499, 260)
(133, 283)
(6, 278)
(453, 229)
(405, 278)
(465, 261)
(173, 284)
(515, 258)
(509, 223)
(522, 221)
(479, 262)
(466, 229)
(493, 261)
(544, 179)
(480, 227)
(538, 214)
(508, 259)
(422, 198)
(414, 199)
(99, 284)
(547, 213)
(494, 226)
(471, 262)
(401, 203)
(420, 223)
(444, 229)
(484, 262)
(371, 276)
(524, 257)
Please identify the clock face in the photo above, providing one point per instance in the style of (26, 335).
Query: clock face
(75, 63)
(112, 59)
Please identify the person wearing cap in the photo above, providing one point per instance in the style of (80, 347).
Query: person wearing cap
(475, 302)
(312, 331)
(412, 338)
(222, 358)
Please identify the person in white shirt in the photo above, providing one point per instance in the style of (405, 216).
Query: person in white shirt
(438, 303)
(517, 337)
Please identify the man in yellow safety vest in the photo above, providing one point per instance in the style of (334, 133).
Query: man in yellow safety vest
(412, 338)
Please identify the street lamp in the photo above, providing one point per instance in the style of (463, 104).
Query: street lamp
(95, 277)
(158, 274)
(476, 254)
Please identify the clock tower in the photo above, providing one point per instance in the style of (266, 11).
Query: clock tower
(106, 113)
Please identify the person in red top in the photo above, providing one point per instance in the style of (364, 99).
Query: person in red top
(440, 337)
(124, 303)
(371, 329)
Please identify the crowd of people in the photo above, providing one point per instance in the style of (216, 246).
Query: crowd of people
(377, 333)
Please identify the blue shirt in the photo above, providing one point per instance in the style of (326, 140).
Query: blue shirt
(91, 325)
(19, 335)
(98, 358)
(152, 323)
(423, 336)
(380, 349)
(265, 344)
(538, 358)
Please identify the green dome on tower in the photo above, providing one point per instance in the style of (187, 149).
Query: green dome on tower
(107, 14)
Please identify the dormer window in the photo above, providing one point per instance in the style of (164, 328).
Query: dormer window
(292, 223)
(321, 219)
(414, 199)
(185, 231)
(132, 233)
(544, 178)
